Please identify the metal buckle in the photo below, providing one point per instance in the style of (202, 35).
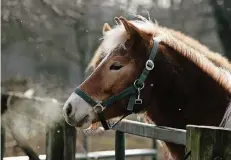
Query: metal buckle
(149, 65)
(140, 87)
(138, 101)
(98, 107)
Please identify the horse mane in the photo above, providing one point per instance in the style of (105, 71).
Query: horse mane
(97, 56)
(216, 58)
(210, 62)
(221, 74)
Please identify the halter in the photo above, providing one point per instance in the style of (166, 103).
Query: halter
(133, 91)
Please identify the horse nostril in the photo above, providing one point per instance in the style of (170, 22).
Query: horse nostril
(68, 109)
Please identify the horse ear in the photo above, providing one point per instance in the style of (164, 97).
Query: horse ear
(117, 20)
(106, 27)
(133, 30)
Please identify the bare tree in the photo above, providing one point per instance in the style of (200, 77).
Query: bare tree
(222, 14)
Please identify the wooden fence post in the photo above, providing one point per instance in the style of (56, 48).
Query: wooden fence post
(4, 98)
(55, 143)
(154, 157)
(69, 142)
(207, 142)
(119, 146)
(2, 142)
(85, 145)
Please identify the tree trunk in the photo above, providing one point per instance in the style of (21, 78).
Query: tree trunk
(222, 14)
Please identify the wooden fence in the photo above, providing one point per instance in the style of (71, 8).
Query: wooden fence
(202, 142)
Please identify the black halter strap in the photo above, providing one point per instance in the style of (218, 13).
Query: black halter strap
(133, 91)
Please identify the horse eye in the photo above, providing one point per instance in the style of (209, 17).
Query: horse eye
(115, 66)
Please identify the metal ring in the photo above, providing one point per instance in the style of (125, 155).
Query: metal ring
(137, 87)
(149, 65)
(98, 107)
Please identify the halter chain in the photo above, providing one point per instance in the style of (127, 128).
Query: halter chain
(133, 91)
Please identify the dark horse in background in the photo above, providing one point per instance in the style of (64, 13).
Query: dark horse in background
(179, 81)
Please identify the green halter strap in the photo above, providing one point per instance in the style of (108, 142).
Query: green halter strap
(133, 91)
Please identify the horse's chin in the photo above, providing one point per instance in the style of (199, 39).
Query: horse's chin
(86, 125)
(94, 129)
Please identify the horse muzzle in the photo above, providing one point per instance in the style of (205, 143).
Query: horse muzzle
(77, 112)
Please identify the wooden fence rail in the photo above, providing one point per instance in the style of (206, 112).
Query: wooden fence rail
(167, 134)
(206, 142)
(203, 142)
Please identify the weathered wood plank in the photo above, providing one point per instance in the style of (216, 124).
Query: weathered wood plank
(154, 146)
(167, 134)
(69, 142)
(206, 142)
(55, 143)
(2, 142)
(4, 98)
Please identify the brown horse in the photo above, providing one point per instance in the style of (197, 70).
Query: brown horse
(188, 85)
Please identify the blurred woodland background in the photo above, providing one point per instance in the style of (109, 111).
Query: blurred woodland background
(47, 44)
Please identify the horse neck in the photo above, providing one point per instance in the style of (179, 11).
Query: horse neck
(184, 94)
